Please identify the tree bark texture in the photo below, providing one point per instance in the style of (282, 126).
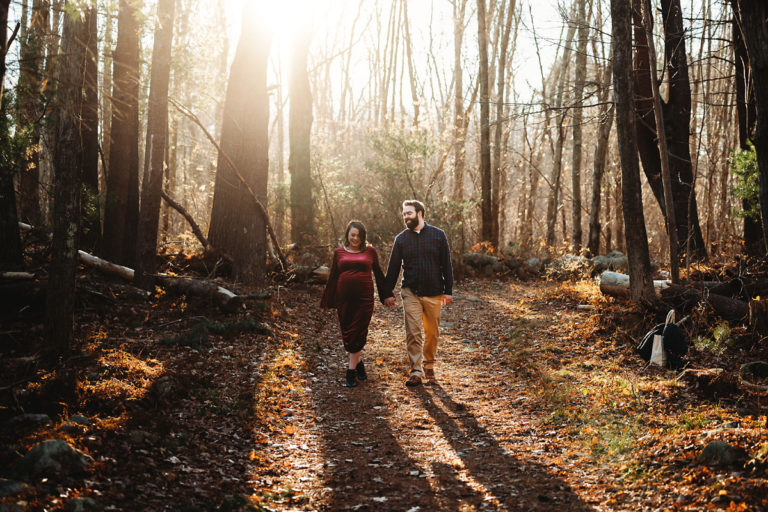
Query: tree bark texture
(90, 222)
(666, 176)
(121, 209)
(68, 162)
(641, 283)
(299, 130)
(746, 111)
(459, 124)
(578, 115)
(485, 129)
(754, 28)
(553, 202)
(236, 227)
(30, 101)
(598, 166)
(677, 116)
(497, 167)
(10, 242)
(157, 134)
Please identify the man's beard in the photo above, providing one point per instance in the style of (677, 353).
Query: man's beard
(412, 223)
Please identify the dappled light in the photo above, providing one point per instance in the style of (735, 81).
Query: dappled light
(374, 255)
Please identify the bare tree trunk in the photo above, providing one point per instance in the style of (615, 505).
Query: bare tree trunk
(90, 221)
(106, 99)
(499, 124)
(235, 227)
(746, 109)
(485, 129)
(30, 105)
(666, 177)
(10, 241)
(677, 115)
(157, 140)
(641, 282)
(578, 103)
(752, 15)
(68, 161)
(459, 124)
(598, 166)
(411, 72)
(553, 204)
(300, 128)
(121, 209)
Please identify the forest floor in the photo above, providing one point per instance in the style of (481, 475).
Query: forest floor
(538, 404)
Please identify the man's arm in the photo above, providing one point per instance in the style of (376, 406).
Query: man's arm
(394, 265)
(446, 268)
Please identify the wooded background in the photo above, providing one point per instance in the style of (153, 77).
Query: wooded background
(268, 125)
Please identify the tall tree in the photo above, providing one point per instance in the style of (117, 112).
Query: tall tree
(236, 227)
(157, 134)
(753, 18)
(68, 162)
(553, 203)
(30, 107)
(497, 167)
(484, 121)
(578, 116)
(299, 130)
(10, 242)
(121, 209)
(90, 226)
(677, 118)
(459, 123)
(640, 279)
(661, 135)
(598, 164)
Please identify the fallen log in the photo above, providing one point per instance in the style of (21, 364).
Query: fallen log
(227, 300)
(683, 298)
(617, 284)
(17, 275)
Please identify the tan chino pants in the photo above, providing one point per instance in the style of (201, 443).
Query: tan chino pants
(421, 311)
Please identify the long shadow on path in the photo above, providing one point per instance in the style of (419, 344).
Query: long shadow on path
(512, 483)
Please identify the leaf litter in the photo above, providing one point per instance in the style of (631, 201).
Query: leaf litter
(538, 405)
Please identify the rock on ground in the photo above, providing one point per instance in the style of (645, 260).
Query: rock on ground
(53, 457)
(719, 453)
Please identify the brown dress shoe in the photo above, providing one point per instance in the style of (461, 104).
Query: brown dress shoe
(429, 374)
(413, 380)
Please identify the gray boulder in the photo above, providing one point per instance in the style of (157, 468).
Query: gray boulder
(53, 457)
(534, 265)
(483, 263)
(719, 453)
(30, 419)
(80, 420)
(83, 504)
(614, 260)
(11, 487)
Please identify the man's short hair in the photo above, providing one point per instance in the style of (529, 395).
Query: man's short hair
(417, 205)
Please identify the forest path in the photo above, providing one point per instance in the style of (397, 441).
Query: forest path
(465, 442)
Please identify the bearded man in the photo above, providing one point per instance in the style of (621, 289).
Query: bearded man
(422, 252)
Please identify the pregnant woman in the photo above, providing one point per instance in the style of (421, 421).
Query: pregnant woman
(350, 291)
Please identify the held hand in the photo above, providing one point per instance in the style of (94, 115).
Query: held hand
(447, 299)
(389, 302)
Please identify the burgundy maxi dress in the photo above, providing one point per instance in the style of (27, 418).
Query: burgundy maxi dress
(350, 291)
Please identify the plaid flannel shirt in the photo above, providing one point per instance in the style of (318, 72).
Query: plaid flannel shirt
(426, 261)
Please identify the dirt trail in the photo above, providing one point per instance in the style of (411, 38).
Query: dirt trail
(464, 442)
